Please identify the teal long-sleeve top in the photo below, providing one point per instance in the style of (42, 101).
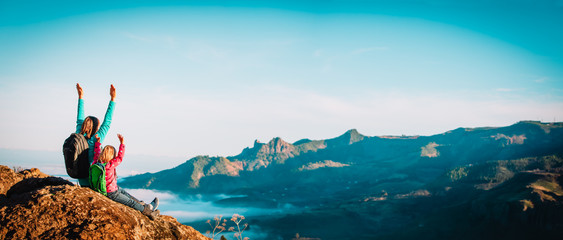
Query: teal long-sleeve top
(102, 132)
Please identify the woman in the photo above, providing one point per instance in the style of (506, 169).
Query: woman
(89, 126)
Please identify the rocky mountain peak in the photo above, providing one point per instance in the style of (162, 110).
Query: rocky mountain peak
(257, 143)
(277, 145)
(349, 137)
(274, 146)
(353, 132)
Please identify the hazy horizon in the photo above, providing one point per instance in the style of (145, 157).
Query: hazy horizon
(50, 161)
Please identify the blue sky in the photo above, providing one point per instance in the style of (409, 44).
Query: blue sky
(209, 77)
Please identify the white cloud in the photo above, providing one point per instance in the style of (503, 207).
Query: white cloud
(147, 195)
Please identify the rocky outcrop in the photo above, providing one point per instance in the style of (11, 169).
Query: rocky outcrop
(264, 154)
(350, 137)
(8, 177)
(34, 205)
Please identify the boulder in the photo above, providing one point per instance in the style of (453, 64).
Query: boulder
(34, 205)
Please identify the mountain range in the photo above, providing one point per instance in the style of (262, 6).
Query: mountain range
(486, 179)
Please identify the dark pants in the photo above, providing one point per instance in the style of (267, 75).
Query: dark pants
(121, 196)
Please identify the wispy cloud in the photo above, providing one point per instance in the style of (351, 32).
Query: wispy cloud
(327, 61)
(541, 80)
(506, 89)
(163, 41)
(205, 53)
(300, 113)
(136, 37)
(510, 90)
(370, 49)
(318, 53)
(170, 41)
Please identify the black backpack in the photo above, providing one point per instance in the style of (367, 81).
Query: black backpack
(75, 151)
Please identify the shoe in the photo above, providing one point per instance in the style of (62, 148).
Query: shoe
(154, 204)
(150, 213)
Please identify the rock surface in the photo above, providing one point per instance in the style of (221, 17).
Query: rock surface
(34, 205)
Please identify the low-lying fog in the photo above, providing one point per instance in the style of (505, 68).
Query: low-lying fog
(198, 208)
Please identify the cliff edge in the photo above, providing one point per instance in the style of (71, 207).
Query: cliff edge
(34, 205)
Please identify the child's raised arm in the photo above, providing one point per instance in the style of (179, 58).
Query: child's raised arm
(121, 150)
(120, 138)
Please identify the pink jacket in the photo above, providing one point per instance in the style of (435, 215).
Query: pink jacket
(111, 176)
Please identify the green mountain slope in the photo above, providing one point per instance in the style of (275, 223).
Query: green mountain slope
(371, 162)
(504, 199)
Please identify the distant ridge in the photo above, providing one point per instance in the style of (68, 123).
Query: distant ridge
(353, 150)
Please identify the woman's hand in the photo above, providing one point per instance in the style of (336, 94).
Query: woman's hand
(112, 92)
(97, 138)
(79, 90)
(120, 138)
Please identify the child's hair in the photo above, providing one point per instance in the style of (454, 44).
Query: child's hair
(107, 154)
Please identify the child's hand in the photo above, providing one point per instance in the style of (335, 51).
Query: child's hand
(97, 138)
(120, 138)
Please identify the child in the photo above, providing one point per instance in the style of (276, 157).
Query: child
(111, 160)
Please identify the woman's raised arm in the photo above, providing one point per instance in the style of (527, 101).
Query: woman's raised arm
(104, 128)
(112, 92)
(80, 111)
